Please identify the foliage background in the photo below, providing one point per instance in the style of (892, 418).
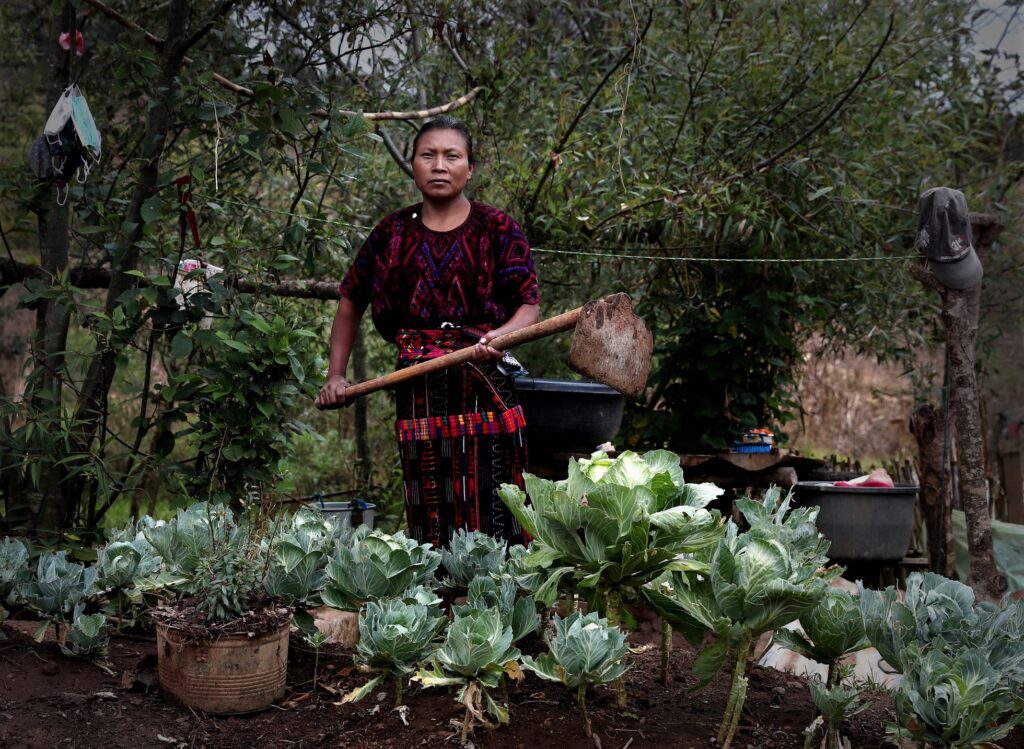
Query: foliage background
(686, 152)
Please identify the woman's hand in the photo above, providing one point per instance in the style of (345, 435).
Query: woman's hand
(484, 353)
(333, 392)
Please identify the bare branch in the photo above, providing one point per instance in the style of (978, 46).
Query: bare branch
(420, 114)
(13, 271)
(393, 150)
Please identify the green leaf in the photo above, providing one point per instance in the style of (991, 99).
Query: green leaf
(152, 209)
(359, 692)
(709, 662)
(181, 345)
(237, 346)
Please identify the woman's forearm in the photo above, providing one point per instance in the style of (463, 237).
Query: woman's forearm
(525, 314)
(343, 335)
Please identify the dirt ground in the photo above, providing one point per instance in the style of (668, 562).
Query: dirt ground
(47, 700)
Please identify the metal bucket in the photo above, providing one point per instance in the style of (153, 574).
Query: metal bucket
(231, 675)
(348, 514)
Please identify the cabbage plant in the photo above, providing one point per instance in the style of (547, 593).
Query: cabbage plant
(375, 565)
(527, 577)
(584, 651)
(14, 571)
(831, 629)
(477, 652)
(758, 580)
(835, 704)
(613, 525)
(55, 589)
(469, 555)
(296, 571)
(394, 636)
(955, 698)
(213, 556)
(519, 613)
(87, 637)
(962, 662)
(124, 566)
(196, 533)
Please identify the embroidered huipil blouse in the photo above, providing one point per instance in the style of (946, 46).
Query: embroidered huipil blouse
(412, 277)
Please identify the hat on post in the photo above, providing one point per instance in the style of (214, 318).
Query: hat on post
(944, 236)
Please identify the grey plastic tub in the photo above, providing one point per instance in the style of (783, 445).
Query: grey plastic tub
(863, 523)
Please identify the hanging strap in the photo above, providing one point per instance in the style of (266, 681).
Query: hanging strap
(185, 197)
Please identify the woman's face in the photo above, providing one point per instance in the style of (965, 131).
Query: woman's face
(441, 165)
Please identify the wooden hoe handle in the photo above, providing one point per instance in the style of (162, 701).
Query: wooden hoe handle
(557, 324)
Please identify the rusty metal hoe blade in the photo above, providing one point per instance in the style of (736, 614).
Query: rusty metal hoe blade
(612, 345)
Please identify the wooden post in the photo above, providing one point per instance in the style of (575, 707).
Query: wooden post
(926, 424)
(960, 318)
(1011, 471)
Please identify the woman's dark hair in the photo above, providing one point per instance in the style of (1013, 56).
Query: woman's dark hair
(444, 122)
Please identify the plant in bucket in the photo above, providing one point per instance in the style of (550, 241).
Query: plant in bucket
(222, 641)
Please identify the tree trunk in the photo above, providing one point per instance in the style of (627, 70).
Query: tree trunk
(92, 400)
(960, 318)
(364, 465)
(52, 316)
(926, 424)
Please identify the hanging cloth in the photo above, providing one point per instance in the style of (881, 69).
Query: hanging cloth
(85, 125)
(70, 144)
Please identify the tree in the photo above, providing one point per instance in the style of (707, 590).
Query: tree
(668, 150)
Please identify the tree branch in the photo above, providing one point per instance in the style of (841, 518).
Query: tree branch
(237, 88)
(550, 166)
(393, 150)
(12, 272)
(765, 163)
(221, 10)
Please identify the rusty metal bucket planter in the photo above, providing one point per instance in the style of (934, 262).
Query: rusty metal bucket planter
(231, 675)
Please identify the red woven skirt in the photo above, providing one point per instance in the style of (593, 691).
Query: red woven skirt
(460, 437)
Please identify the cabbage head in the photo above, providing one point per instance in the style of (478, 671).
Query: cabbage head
(394, 636)
(955, 698)
(56, 588)
(831, 630)
(477, 652)
(519, 613)
(613, 523)
(470, 554)
(583, 651)
(87, 637)
(962, 662)
(375, 565)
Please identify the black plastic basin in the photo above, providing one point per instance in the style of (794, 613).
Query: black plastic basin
(567, 416)
(863, 523)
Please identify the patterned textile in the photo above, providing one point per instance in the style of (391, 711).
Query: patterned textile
(460, 437)
(462, 425)
(413, 277)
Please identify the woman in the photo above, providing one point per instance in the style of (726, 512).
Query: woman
(438, 276)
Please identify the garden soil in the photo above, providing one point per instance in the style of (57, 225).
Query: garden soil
(47, 700)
